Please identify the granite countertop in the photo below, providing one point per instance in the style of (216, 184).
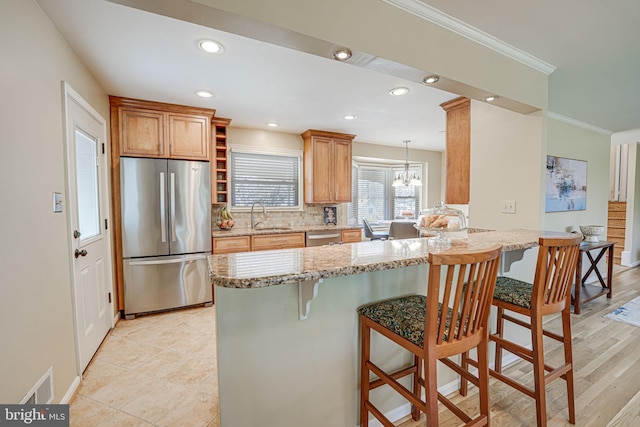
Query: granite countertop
(235, 231)
(269, 268)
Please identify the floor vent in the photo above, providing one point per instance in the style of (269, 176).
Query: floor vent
(42, 392)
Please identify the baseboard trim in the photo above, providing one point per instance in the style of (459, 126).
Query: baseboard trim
(71, 392)
(625, 260)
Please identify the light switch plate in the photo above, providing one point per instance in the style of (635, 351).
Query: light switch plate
(509, 206)
(57, 202)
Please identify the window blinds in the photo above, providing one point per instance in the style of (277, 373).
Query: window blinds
(270, 179)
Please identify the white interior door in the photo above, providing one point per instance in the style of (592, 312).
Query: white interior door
(88, 218)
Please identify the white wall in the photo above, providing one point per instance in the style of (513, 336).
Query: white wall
(263, 138)
(506, 157)
(631, 253)
(36, 320)
(572, 142)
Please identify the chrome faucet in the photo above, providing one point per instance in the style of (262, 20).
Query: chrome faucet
(264, 212)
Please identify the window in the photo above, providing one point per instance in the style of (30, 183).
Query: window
(375, 199)
(406, 199)
(370, 193)
(272, 178)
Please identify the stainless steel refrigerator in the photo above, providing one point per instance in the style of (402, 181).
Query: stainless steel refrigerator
(166, 233)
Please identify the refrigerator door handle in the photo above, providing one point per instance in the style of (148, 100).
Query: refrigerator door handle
(163, 209)
(168, 261)
(173, 206)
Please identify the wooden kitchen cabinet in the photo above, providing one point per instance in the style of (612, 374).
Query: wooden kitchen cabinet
(228, 245)
(152, 129)
(327, 166)
(458, 151)
(189, 136)
(265, 242)
(141, 132)
(219, 161)
(351, 236)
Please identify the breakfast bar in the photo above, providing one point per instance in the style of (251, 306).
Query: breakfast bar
(287, 326)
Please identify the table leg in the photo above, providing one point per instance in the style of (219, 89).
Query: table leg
(594, 267)
(578, 285)
(610, 270)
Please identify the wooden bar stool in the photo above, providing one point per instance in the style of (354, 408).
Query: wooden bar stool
(452, 319)
(549, 293)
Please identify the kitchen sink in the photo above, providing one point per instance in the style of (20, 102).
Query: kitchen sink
(272, 228)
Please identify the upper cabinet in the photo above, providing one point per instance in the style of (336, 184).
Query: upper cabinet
(153, 129)
(458, 151)
(327, 166)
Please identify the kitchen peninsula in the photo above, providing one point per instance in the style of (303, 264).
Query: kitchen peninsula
(287, 327)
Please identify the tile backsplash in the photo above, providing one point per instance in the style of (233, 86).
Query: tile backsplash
(311, 216)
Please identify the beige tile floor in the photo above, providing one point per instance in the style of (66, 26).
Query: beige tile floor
(155, 370)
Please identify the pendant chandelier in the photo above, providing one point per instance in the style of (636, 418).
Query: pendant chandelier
(406, 177)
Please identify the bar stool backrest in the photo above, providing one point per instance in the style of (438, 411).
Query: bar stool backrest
(555, 271)
(464, 283)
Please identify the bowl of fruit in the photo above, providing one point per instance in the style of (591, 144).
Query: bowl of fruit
(225, 219)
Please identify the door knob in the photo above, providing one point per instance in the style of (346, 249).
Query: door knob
(76, 234)
(79, 253)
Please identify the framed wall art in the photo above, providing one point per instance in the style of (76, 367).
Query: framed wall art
(330, 215)
(566, 185)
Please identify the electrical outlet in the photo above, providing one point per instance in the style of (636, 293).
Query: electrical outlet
(509, 206)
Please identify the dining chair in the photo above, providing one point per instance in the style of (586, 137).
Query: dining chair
(450, 320)
(403, 230)
(373, 235)
(549, 293)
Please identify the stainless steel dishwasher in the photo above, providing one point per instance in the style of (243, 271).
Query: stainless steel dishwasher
(323, 237)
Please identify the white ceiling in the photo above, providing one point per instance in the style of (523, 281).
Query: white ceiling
(137, 54)
(594, 45)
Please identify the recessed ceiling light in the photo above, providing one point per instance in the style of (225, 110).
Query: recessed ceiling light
(272, 125)
(350, 117)
(491, 98)
(429, 80)
(210, 46)
(399, 91)
(204, 93)
(342, 54)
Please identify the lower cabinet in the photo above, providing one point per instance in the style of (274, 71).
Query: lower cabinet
(262, 242)
(277, 241)
(229, 245)
(351, 236)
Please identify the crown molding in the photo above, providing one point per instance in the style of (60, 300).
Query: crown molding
(457, 26)
(578, 123)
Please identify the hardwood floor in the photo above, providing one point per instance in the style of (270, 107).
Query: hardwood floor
(606, 356)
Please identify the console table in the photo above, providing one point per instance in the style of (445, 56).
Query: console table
(583, 292)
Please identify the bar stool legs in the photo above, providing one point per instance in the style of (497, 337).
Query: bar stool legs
(434, 329)
(549, 293)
